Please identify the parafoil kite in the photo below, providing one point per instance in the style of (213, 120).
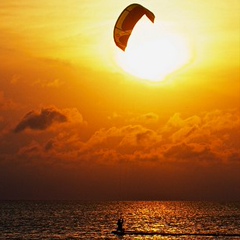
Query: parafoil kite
(126, 22)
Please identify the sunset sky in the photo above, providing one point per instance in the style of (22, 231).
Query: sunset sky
(75, 123)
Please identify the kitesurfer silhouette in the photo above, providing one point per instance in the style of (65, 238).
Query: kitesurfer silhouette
(120, 225)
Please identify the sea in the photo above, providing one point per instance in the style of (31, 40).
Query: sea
(96, 220)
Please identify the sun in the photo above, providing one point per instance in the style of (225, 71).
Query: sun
(154, 51)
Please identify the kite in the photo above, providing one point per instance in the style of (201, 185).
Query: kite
(126, 22)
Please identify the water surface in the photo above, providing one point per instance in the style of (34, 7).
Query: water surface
(96, 220)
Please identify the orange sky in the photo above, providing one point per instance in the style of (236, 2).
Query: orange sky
(74, 125)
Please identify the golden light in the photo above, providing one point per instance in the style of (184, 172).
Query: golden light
(154, 51)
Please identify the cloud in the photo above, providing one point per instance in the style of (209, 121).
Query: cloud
(40, 120)
(221, 120)
(176, 122)
(124, 139)
(191, 152)
(47, 117)
(73, 116)
(210, 136)
(33, 149)
(147, 118)
(200, 139)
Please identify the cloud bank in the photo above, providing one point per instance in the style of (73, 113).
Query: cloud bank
(189, 157)
(207, 138)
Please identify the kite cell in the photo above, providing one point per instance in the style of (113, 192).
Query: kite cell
(126, 22)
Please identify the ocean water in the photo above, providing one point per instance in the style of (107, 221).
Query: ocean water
(96, 220)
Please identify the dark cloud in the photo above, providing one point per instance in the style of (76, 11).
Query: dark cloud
(40, 120)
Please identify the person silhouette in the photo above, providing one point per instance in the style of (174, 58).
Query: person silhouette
(120, 225)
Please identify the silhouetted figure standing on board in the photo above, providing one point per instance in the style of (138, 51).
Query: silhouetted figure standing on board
(120, 225)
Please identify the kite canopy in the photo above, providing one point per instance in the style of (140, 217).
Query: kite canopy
(126, 22)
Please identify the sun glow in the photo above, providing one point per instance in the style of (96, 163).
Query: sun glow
(154, 51)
